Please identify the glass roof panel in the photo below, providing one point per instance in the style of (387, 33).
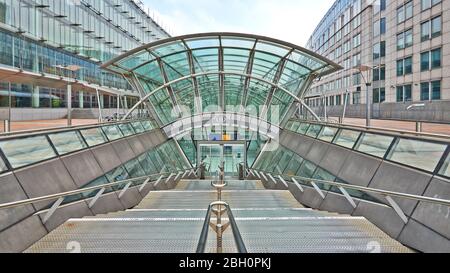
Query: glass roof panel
(167, 49)
(137, 59)
(238, 42)
(170, 60)
(203, 42)
(272, 48)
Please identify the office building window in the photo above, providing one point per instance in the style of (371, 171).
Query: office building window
(357, 79)
(357, 40)
(431, 59)
(404, 93)
(379, 74)
(357, 98)
(379, 27)
(383, 26)
(431, 29)
(430, 91)
(379, 50)
(356, 60)
(404, 66)
(405, 12)
(379, 95)
(347, 46)
(426, 4)
(404, 39)
(338, 100)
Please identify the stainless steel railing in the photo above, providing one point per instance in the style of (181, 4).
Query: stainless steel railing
(59, 197)
(388, 195)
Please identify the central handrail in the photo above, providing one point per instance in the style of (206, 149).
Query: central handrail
(205, 231)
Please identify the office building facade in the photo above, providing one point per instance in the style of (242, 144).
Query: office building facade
(46, 45)
(400, 48)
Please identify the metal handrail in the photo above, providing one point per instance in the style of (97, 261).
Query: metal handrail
(367, 190)
(32, 132)
(205, 231)
(79, 191)
(381, 129)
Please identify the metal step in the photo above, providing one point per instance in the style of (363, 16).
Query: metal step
(270, 221)
(232, 185)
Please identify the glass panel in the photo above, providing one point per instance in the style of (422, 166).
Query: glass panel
(314, 130)
(347, 138)
(112, 132)
(3, 166)
(303, 128)
(328, 134)
(94, 136)
(126, 129)
(321, 174)
(293, 166)
(138, 127)
(67, 142)
(26, 151)
(147, 125)
(419, 154)
(374, 144)
(307, 169)
(446, 167)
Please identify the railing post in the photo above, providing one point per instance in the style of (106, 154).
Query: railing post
(52, 210)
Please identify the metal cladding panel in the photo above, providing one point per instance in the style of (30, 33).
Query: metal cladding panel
(424, 239)
(22, 235)
(11, 191)
(136, 145)
(397, 178)
(434, 216)
(357, 169)
(83, 167)
(123, 150)
(106, 157)
(44, 179)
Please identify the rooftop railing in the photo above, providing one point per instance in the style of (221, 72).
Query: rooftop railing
(27, 148)
(425, 152)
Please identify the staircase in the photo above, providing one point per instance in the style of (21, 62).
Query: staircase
(270, 221)
(84, 114)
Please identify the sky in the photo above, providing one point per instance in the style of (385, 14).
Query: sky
(289, 20)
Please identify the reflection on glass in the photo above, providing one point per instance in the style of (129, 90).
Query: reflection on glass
(419, 154)
(314, 131)
(303, 128)
(67, 142)
(307, 169)
(295, 125)
(147, 125)
(321, 174)
(112, 132)
(328, 134)
(3, 166)
(347, 138)
(119, 174)
(293, 166)
(126, 129)
(94, 136)
(26, 151)
(375, 145)
(138, 127)
(446, 167)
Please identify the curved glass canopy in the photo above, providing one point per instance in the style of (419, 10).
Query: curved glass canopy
(214, 72)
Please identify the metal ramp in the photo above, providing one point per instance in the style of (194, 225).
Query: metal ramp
(270, 221)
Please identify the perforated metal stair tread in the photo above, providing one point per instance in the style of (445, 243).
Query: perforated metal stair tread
(171, 222)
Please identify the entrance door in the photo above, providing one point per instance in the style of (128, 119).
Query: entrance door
(232, 154)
